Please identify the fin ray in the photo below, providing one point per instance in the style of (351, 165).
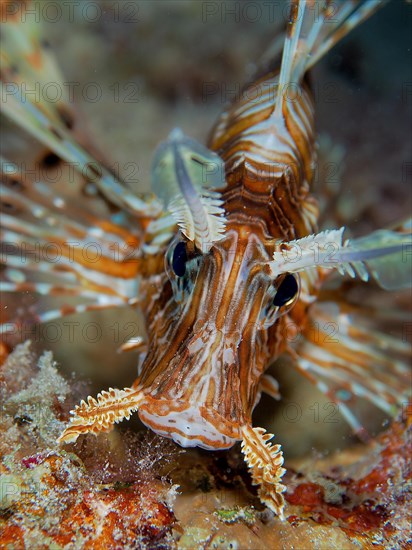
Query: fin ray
(359, 361)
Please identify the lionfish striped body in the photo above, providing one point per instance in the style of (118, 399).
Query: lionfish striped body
(219, 289)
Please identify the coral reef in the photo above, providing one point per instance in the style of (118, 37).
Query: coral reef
(105, 494)
(133, 490)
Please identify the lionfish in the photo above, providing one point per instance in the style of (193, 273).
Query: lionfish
(221, 258)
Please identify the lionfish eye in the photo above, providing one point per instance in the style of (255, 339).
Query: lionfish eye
(286, 291)
(179, 259)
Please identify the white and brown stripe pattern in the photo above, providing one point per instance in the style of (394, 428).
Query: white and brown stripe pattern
(216, 352)
(269, 159)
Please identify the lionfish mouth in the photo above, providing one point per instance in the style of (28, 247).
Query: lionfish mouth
(188, 424)
(205, 394)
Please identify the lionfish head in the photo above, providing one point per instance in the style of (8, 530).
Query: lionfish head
(209, 339)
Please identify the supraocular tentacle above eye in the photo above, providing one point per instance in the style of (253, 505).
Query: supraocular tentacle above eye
(282, 295)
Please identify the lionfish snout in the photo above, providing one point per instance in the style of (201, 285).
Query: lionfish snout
(195, 397)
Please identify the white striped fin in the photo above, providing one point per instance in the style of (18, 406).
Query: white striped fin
(313, 28)
(21, 327)
(346, 351)
(340, 21)
(27, 61)
(270, 386)
(38, 203)
(28, 64)
(290, 50)
(45, 241)
(185, 175)
(134, 343)
(29, 117)
(383, 255)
